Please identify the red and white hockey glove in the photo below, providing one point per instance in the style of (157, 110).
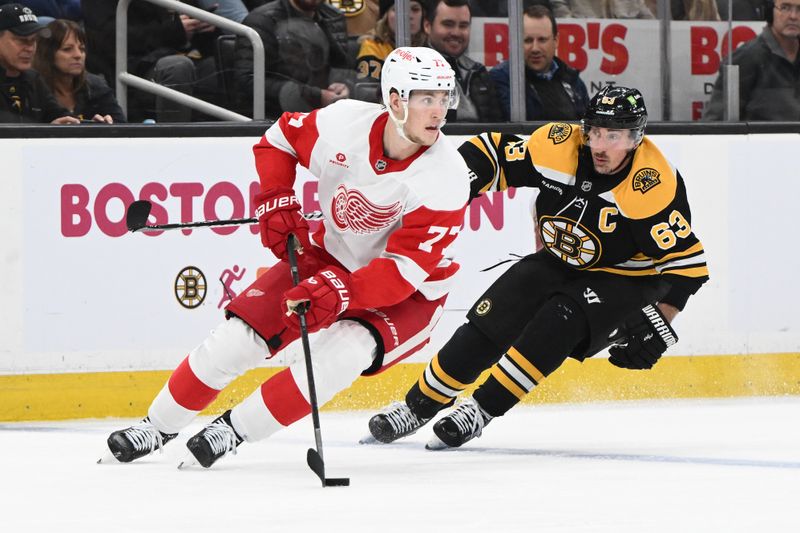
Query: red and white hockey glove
(324, 297)
(278, 212)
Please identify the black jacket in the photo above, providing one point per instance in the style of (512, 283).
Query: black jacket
(565, 89)
(153, 33)
(769, 84)
(478, 87)
(97, 98)
(303, 56)
(26, 98)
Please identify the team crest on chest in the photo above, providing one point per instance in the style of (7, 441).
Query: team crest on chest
(569, 241)
(559, 132)
(646, 179)
(352, 210)
(349, 7)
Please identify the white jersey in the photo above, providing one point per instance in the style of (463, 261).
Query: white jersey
(388, 222)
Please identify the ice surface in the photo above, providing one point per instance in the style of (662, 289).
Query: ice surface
(662, 466)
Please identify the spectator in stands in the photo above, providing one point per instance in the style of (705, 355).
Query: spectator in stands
(602, 9)
(743, 9)
(360, 15)
(307, 65)
(377, 44)
(49, 10)
(25, 97)
(493, 8)
(769, 70)
(447, 24)
(234, 10)
(553, 89)
(689, 9)
(61, 62)
(172, 49)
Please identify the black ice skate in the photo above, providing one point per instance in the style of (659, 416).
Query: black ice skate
(213, 442)
(394, 422)
(135, 442)
(463, 424)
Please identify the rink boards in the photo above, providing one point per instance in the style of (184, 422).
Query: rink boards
(94, 316)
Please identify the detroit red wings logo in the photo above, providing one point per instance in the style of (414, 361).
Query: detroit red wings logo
(352, 210)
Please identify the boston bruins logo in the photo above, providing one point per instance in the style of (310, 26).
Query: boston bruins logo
(646, 179)
(483, 307)
(349, 7)
(190, 287)
(559, 132)
(570, 242)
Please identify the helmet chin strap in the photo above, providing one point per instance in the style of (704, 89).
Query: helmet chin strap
(400, 123)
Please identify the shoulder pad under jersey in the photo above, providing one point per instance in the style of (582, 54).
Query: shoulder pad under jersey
(650, 186)
(554, 147)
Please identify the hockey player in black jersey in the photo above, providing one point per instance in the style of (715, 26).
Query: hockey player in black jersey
(620, 260)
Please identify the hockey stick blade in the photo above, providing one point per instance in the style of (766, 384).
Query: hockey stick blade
(318, 466)
(138, 211)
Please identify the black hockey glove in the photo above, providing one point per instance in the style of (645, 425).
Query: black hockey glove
(639, 344)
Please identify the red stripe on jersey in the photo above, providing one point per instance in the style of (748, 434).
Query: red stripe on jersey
(376, 149)
(276, 165)
(187, 389)
(300, 129)
(443, 273)
(283, 398)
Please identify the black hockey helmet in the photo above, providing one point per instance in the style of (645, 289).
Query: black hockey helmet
(618, 108)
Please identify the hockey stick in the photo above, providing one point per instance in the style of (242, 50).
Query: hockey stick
(313, 457)
(138, 211)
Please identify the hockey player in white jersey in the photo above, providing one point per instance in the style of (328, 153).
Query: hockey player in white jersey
(393, 192)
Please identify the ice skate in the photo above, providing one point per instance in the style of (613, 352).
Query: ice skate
(394, 422)
(135, 442)
(215, 441)
(463, 424)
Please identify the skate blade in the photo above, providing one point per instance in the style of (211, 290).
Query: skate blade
(108, 459)
(435, 443)
(369, 439)
(188, 462)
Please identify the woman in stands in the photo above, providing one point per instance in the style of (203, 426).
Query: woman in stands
(378, 43)
(61, 61)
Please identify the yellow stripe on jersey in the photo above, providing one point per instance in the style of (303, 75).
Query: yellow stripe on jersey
(553, 146)
(689, 272)
(444, 377)
(697, 247)
(506, 382)
(371, 48)
(626, 272)
(480, 144)
(650, 186)
(502, 182)
(430, 393)
(525, 365)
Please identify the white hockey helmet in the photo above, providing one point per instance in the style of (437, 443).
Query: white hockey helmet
(417, 68)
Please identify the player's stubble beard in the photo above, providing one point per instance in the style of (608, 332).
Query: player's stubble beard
(625, 161)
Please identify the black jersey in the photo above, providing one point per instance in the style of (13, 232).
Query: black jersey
(636, 222)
